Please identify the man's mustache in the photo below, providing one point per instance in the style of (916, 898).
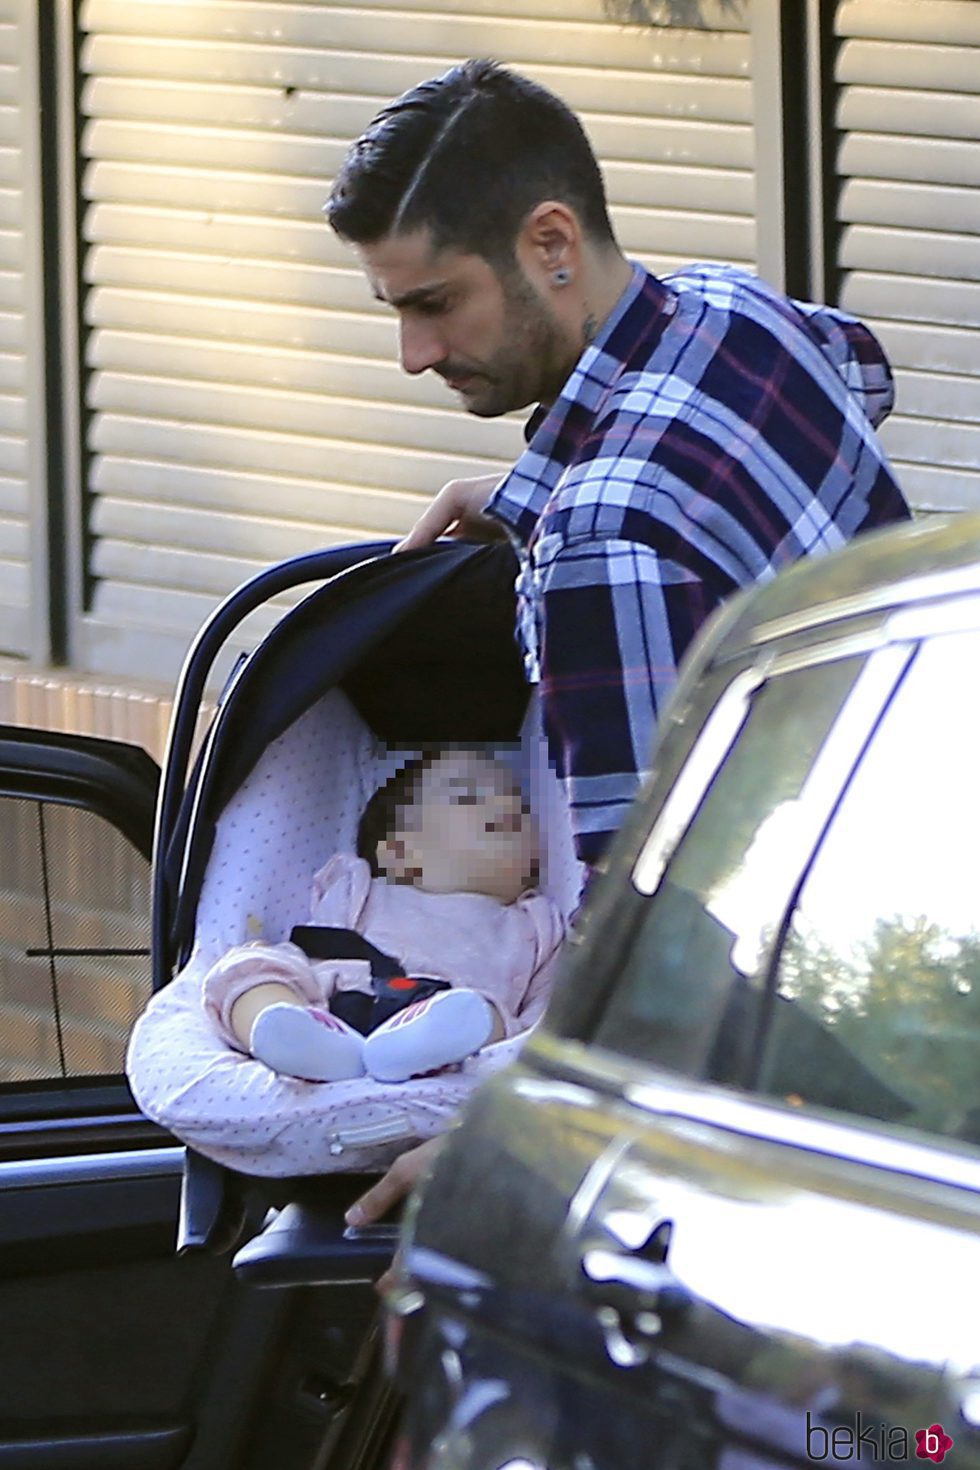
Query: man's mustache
(455, 372)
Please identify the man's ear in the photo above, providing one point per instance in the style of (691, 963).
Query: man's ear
(550, 239)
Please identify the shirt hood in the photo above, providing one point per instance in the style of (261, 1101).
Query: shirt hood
(856, 354)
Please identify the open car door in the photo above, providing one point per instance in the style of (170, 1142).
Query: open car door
(117, 1354)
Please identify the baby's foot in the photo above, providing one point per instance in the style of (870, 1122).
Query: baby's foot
(433, 1033)
(306, 1042)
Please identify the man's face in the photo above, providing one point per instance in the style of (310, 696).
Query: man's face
(492, 338)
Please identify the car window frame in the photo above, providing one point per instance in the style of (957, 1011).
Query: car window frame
(920, 627)
(648, 848)
(865, 1141)
(117, 783)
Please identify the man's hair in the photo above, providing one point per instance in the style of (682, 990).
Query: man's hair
(468, 155)
(385, 811)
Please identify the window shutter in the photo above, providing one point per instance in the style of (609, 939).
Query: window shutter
(245, 399)
(22, 490)
(909, 246)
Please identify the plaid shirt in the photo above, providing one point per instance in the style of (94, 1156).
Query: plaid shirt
(713, 432)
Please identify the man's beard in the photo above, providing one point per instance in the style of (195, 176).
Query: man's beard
(530, 366)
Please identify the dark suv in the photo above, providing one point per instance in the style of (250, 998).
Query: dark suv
(725, 1212)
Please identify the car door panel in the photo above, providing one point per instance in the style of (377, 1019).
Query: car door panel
(703, 1298)
(481, 1400)
(767, 1260)
(144, 1448)
(117, 1353)
(114, 1340)
(87, 1210)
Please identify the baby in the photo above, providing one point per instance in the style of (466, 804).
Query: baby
(431, 941)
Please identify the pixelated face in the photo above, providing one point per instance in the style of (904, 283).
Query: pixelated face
(468, 831)
(492, 338)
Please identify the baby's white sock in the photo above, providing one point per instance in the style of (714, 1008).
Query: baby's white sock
(306, 1042)
(434, 1033)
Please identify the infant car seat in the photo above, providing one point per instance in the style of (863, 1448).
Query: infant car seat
(387, 655)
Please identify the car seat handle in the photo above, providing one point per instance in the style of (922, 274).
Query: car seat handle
(194, 675)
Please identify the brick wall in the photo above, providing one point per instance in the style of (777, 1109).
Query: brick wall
(97, 897)
(98, 889)
(56, 699)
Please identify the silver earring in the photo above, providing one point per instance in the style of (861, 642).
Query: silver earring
(561, 276)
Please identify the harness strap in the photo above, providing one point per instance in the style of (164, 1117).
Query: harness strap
(393, 989)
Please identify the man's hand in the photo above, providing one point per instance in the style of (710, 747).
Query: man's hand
(457, 512)
(403, 1175)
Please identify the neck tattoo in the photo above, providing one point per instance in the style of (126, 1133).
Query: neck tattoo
(589, 329)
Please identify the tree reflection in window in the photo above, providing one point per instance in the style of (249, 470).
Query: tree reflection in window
(883, 952)
(906, 1002)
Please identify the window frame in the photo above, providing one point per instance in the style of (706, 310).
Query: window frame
(117, 783)
(948, 619)
(727, 721)
(924, 606)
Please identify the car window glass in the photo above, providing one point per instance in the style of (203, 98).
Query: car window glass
(74, 941)
(882, 960)
(676, 1000)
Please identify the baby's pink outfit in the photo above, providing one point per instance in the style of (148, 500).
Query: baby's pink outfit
(503, 951)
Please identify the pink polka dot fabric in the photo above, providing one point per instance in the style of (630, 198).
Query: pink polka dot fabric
(301, 803)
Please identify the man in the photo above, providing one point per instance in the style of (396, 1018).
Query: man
(690, 435)
(693, 435)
